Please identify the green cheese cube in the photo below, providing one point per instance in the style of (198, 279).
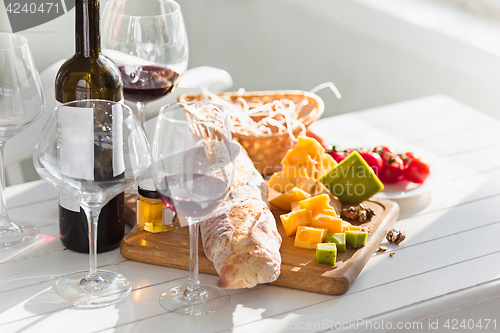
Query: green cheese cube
(356, 238)
(326, 253)
(338, 239)
(352, 180)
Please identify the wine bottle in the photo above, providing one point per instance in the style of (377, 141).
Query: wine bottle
(88, 74)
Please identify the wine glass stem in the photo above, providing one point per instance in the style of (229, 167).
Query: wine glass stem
(92, 214)
(194, 279)
(4, 218)
(141, 113)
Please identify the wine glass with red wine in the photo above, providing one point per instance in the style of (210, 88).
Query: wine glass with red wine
(113, 155)
(192, 156)
(147, 40)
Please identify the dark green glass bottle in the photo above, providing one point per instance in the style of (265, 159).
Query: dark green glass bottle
(88, 74)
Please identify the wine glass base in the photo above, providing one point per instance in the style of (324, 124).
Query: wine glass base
(209, 299)
(15, 235)
(102, 289)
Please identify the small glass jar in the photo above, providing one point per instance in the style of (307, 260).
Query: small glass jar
(152, 214)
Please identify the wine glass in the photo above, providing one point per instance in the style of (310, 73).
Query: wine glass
(113, 153)
(192, 157)
(147, 40)
(21, 102)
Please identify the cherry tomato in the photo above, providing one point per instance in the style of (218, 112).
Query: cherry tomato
(417, 171)
(373, 160)
(392, 169)
(339, 156)
(382, 150)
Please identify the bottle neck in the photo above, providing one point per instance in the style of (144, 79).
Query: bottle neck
(87, 32)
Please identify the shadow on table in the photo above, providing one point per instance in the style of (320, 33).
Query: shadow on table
(411, 206)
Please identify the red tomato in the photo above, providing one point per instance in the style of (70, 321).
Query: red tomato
(392, 169)
(382, 150)
(339, 156)
(373, 160)
(417, 171)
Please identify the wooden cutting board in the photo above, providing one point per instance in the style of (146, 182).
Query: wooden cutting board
(299, 269)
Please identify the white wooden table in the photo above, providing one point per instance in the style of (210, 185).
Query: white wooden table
(447, 269)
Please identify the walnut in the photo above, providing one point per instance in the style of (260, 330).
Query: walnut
(395, 236)
(382, 248)
(361, 212)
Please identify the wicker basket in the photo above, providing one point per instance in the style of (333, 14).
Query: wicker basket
(267, 151)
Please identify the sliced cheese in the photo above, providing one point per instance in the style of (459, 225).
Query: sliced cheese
(291, 221)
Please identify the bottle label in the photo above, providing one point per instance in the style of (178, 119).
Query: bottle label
(75, 135)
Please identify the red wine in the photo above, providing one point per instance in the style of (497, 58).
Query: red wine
(88, 74)
(191, 194)
(147, 83)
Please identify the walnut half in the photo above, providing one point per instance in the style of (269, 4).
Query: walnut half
(395, 236)
(361, 212)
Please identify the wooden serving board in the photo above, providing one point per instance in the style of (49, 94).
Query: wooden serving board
(299, 269)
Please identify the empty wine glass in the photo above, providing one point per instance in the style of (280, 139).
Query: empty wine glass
(192, 157)
(147, 40)
(21, 102)
(113, 154)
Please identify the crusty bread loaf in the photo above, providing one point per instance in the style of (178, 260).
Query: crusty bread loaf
(240, 237)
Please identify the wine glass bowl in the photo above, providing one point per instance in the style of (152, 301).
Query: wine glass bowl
(21, 103)
(148, 42)
(192, 156)
(111, 158)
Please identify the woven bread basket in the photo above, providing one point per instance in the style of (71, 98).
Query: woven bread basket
(267, 151)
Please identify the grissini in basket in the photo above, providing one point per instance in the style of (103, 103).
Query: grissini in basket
(266, 149)
(240, 237)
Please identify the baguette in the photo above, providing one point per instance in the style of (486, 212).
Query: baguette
(240, 237)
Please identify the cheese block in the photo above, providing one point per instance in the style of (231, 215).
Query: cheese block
(332, 224)
(352, 180)
(326, 253)
(308, 237)
(319, 204)
(285, 200)
(346, 226)
(303, 166)
(338, 239)
(294, 219)
(356, 238)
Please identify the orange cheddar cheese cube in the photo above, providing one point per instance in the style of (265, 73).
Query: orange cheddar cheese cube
(295, 205)
(308, 237)
(332, 224)
(285, 200)
(319, 205)
(346, 226)
(291, 221)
